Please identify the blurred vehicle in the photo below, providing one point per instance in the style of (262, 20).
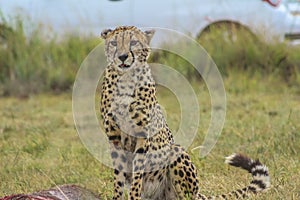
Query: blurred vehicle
(271, 18)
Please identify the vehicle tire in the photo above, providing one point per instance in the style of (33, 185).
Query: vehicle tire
(231, 45)
(226, 33)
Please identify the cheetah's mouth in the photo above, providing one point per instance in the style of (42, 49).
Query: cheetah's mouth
(124, 66)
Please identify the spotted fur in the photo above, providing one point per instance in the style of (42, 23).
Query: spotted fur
(144, 155)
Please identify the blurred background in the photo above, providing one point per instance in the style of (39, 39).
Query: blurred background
(44, 42)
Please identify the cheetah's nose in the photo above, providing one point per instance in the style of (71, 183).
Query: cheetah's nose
(123, 57)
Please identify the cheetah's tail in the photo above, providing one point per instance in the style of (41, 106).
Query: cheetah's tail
(259, 172)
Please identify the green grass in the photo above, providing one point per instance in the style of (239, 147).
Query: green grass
(39, 146)
(34, 63)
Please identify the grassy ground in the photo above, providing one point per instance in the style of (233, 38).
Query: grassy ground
(39, 146)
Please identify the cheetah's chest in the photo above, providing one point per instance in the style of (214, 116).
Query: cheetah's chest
(123, 95)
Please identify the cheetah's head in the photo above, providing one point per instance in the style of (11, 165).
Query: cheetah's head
(126, 46)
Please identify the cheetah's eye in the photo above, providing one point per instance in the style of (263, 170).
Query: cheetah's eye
(113, 43)
(133, 42)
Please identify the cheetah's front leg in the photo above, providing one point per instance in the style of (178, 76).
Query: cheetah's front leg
(135, 192)
(119, 171)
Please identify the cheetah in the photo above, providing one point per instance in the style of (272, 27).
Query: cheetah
(146, 160)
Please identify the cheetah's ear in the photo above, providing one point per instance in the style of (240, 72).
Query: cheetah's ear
(149, 34)
(105, 33)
